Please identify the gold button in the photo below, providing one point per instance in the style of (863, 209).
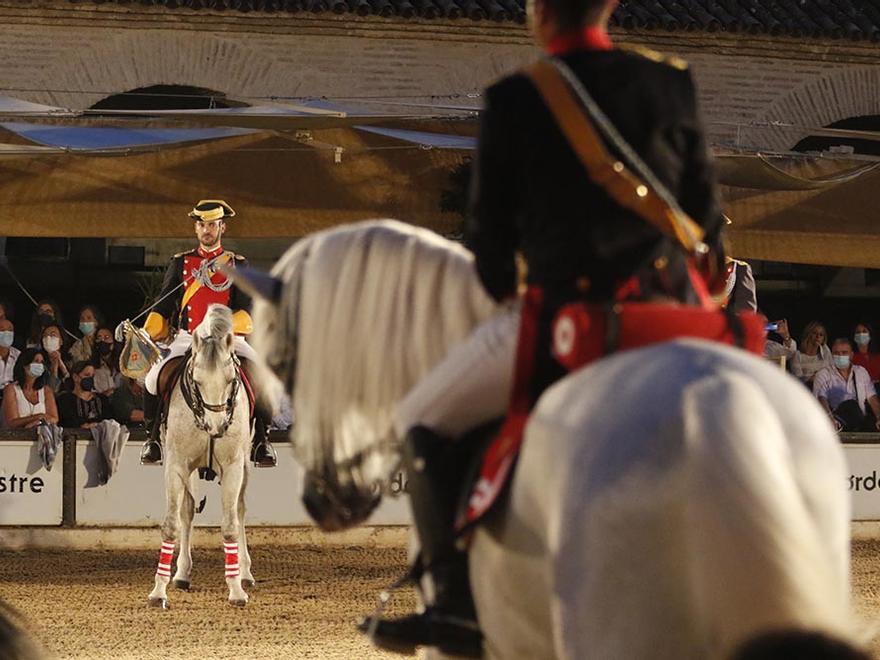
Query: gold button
(618, 167)
(642, 191)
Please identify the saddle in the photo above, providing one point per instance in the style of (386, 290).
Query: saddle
(583, 333)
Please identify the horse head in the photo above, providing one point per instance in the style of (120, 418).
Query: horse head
(348, 321)
(213, 371)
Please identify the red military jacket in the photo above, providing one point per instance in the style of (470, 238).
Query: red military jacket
(186, 308)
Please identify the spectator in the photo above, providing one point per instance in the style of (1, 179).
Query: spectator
(786, 348)
(865, 356)
(8, 353)
(813, 354)
(27, 401)
(83, 407)
(843, 388)
(46, 313)
(89, 321)
(53, 341)
(6, 310)
(106, 362)
(127, 402)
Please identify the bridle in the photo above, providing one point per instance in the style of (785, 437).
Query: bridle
(193, 396)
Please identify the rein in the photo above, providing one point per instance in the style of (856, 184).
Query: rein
(189, 387)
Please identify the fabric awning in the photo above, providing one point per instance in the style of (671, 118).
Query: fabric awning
(112, 139)
(279, 188)
(833, 225)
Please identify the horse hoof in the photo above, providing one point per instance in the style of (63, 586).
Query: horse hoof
(183, 585)
(238, 602)
(161, 603)
(248, 584)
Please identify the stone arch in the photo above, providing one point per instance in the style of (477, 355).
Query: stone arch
(134, 59)
(841, 94)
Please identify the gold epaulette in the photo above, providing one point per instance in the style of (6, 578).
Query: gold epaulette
(183, 254)
(657, 56)
(238, 257)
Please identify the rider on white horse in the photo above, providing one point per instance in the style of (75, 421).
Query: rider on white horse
(193, 282)
(584, 241)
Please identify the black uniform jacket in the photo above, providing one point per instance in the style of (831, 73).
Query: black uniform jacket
(169, 308)
(531, 193)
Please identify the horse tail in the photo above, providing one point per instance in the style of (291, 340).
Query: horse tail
(769, 516)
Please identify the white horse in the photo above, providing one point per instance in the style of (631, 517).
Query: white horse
(675, 501)
(208, 426)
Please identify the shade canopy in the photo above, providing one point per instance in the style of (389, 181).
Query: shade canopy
(278, 187)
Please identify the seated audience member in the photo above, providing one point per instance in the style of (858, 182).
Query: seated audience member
(89, 321)
(27, 401)
(83, 407)
(52, 339)
(106, 362)
(786, 348)
(127, 402)
(8, 353)
(813, 355)
(6, 311)
(843, 389)
(865, 355)
(46, 313)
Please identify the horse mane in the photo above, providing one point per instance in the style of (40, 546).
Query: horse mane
(369, 309)
(215, 327)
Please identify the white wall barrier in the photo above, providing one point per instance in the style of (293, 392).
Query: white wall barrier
(135, 495)
(864, 484)
(29, 494)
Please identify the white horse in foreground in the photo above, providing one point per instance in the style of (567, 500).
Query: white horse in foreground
(670, 502)
(211, 429)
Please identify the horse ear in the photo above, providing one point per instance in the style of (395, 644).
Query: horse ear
(254, 282)
(196, 341)
(230, 339)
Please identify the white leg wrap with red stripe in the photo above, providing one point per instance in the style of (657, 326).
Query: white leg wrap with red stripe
(165, 557)
(231, 550)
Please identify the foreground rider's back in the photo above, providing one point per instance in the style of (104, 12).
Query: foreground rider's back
(531, 193)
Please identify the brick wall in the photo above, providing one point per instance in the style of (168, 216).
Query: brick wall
(75, 54)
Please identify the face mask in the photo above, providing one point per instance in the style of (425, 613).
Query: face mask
(862, 338)
(52, 344)
(841, 361)
(104, 347)
(87, 327)
(87, 384)
(36, 369)
(6, 338)
(46, 318)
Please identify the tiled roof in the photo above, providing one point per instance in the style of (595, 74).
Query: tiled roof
(835, 19)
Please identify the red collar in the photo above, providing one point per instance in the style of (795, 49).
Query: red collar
(209, 255)
(589, 38)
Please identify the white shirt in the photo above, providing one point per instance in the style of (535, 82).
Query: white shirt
(806, 366)
(830, 385)
(7, 365)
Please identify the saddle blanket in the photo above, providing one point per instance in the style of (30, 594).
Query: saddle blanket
(582, 333)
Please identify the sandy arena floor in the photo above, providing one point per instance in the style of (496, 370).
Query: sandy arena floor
(92, 604)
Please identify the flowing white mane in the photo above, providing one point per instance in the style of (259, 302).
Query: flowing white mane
(371, 307)
(216, 326)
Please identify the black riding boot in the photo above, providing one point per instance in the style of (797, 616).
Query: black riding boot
(262, 451)
(449, 622)
(151, 454)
